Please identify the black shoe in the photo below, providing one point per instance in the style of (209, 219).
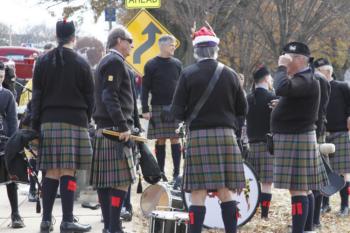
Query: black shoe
(73, 227)
(126, 214)
(317, 225)
(326, 209)
(32, 196)
(16, 221)
(164, 178)
(46, 227)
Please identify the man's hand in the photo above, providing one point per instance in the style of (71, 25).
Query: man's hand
(273, 103)
(348, 123)
(284, 60)
(146, 116)
(125, 136)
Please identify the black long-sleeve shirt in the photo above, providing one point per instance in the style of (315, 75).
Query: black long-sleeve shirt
(338, 109)
(225, 103)
(258, 117)
(325, 88)
(62, 93)
(160, 79)
(113, 93)
(297, 110)
(8, 112)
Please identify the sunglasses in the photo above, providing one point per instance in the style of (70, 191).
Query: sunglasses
(128, 40)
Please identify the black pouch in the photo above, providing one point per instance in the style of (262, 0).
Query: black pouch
(269, 143)
(166, 115)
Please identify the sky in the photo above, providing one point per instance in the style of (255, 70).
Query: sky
(20, 14)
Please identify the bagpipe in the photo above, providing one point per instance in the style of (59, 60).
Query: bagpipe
(146, 161)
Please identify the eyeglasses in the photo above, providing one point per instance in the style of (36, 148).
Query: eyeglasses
(127, 39)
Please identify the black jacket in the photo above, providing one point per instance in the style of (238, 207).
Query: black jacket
(297, 110)
(113, 94)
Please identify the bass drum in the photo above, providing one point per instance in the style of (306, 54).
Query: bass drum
(248, 202)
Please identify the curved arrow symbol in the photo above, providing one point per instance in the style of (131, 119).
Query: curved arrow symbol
(151, 30)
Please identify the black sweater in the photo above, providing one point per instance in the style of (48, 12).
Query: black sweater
(62, 93)
(258, 117)
(339, 107)
(113, 94)
(160, 79)
(297, 110)
(225, 103)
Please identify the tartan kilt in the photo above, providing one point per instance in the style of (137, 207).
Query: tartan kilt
(158, 129)
(64, 145)
(109, 168)
(298, 164)
(262, 161)
(340, 160)
(213, 160)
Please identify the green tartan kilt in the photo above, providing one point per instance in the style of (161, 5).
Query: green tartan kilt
(64, 145)
(298, 164)
(213, 160)
(158, 129)
(340, 160)
(262, 161)
(109, 163)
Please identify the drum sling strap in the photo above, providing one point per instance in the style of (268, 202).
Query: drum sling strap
(206, 93)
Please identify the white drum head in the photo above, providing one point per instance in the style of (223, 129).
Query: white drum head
(154, 196)
(247, 201)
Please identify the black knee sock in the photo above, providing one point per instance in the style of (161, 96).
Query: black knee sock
(68, 186)
(127, 203)
(49, 191)
(196, 216)
(32, 187)
(13, 197)
(160, 155)
(176, 154)
(265, 200)
(117, 197)
(309, 225)
(229, 216)
(300, 205)
(318, 202)
(325, 201)
(344, 195)
(104, 199)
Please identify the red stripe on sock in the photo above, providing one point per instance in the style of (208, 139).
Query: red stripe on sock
(72, 186)
(268, 204)
(115, 202)
(349, 191)
(191, 215)
(294, 211)
(299, 208)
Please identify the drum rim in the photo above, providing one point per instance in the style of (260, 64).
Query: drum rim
(166, 190)
(256, 205)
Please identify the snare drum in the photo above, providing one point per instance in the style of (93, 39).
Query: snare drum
(168, 222)
(160, 195)
(248, 202)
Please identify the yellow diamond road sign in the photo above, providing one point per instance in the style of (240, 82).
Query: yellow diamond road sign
(146, 31)
(133, 4)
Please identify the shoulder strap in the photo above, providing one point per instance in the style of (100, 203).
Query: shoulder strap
(206, 93)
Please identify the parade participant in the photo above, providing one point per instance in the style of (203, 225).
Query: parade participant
(325, 89)
(62, 104)
(338, 126)
(213, 159)
(258, 125)
(160, 79)
(298, 166)
(112, 169)
(8, 126)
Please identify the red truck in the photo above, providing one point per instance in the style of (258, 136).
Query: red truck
(23, 58)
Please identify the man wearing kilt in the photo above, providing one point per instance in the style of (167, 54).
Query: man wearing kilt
(338, 126)
(112, 165)
(160, 79)
(62, 104)
(213, 159)
(258, 125)
(298, 165)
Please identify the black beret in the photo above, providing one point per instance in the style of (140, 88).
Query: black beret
(297, 48)
(261, 72)
(64, 29)
(321, 62)
(2, 65)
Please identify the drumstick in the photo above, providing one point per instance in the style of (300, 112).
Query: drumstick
(132, 137)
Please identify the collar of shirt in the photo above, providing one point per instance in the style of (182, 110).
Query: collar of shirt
(117, 52)
(262, 85)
